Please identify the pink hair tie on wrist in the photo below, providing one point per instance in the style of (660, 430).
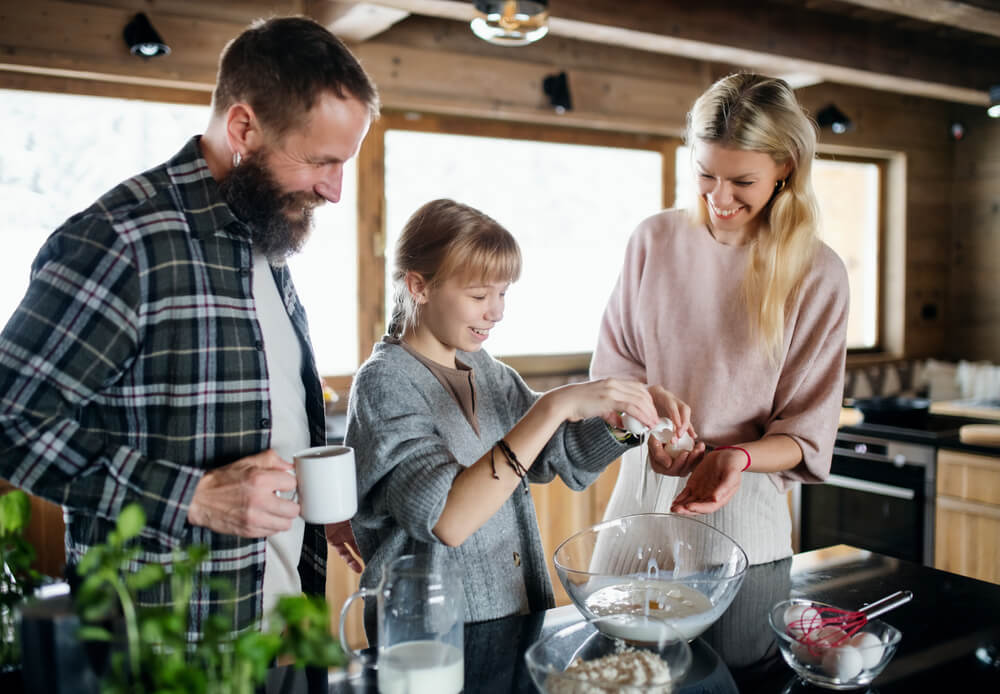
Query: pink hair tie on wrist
(737, 448)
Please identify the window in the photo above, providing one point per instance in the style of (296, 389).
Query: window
(571, 205)
(849, 192)
(50, 169)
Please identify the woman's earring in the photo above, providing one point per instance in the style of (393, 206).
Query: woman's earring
(237, 158)
(779, 185)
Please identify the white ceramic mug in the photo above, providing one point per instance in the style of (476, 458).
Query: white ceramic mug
(326, 484)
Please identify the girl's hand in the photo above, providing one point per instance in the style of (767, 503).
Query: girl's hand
(712, 484)
(678, 466)
(341, 538)
(605, 398)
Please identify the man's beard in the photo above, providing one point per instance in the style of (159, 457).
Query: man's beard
(256, 199)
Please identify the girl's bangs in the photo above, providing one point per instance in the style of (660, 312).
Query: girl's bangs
(495, 259)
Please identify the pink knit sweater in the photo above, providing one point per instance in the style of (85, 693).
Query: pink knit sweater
(676, 318)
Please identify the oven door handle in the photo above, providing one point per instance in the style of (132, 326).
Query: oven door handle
(870, 487)
(899, 460)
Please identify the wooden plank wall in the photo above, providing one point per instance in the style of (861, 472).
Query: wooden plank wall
(975, 256)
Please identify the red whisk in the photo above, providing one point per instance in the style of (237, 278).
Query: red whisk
(822, 626)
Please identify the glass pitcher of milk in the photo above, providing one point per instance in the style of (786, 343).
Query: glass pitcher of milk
(420, 603)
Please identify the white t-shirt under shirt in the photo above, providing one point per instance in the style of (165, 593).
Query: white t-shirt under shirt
(289, 424)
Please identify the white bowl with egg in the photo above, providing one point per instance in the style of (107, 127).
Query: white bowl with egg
(583, 657)
(827, 656)
(658, 565)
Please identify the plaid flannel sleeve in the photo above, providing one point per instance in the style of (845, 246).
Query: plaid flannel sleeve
(74, 333)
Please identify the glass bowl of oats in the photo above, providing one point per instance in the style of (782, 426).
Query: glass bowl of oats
(583, 658)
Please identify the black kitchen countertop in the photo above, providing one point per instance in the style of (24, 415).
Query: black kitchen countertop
(948, 620)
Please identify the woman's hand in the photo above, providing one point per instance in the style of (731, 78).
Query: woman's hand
(713, 482)
(606, 398)
(341, 537)
(673, 408)
(677, 466)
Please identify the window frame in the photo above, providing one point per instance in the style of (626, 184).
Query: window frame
(881, 328)
(371, 211)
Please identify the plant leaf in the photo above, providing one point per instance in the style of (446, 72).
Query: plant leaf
(147, 576)
(88, 632)
(15, 510)
(131, 521)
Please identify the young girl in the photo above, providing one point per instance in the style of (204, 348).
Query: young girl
(736, 305)
(446, 438)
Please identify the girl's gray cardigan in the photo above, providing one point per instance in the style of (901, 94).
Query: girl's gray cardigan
(411, 439)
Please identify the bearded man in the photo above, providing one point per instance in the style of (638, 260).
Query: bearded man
(161, 355)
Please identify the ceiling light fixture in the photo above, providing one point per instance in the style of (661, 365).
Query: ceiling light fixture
(142, 39)
(994, 110)
(511, 22)
(834, 118)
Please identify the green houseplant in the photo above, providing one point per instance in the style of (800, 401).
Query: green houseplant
(150, 651)
(17, 578)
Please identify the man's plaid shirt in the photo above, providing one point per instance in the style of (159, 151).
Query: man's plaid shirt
(135, 363)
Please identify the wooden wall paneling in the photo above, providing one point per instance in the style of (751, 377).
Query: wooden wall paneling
(456, 84)
(240, 12)
(560, 52)
(975, 252)
(84, 40)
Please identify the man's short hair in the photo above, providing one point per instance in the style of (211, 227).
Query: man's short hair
(281, 66)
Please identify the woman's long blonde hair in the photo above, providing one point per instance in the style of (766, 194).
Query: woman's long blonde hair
(760, 114)
(445, 239)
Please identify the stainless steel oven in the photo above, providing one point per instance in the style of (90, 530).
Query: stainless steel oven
(880, 496)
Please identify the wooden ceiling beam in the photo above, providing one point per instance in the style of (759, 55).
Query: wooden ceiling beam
(774, 39)
(960, 15)
(354, 22)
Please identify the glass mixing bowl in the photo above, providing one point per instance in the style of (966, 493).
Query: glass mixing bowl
(583, 657)
(659, 565)
(828, 664)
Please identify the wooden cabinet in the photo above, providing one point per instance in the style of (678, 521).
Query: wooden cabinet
(967, 517)
(561, 512)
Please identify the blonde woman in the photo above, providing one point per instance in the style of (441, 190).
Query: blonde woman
(736, 306)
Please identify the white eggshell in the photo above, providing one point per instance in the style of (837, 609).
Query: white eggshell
(634, 425)
(843, 662)
(870, 646)
(804, 655)
(800, 619)
(663, 428)
(684, 443)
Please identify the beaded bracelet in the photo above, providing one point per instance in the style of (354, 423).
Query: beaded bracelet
(737, 448)
(514, 463)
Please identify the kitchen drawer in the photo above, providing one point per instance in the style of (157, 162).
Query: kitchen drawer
(968, 476)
